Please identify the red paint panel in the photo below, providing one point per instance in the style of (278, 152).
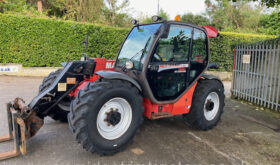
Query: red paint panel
(182, 106)
(211, 31)
(101, 64)
(81, 86)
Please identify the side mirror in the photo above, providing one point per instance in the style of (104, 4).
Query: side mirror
(165, 31)
(134, 22)
(157, 18)
(213, 66)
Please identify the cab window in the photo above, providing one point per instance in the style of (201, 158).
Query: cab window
(199, 54)
(199, 51)
(175, 47)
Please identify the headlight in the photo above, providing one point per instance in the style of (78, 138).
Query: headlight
(134, 22)
(128, 64)
(156, 18)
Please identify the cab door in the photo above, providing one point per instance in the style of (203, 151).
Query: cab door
(168, 69)
(199, 57)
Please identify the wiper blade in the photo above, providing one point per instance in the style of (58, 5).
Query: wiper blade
(124, 65)
(136, 54)
(142, 51)
(145, 48)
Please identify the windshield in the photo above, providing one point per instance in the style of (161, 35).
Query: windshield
(137, 45)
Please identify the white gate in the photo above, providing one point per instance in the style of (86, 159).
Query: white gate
(256, 73)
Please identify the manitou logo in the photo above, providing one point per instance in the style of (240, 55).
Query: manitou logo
(110, 65)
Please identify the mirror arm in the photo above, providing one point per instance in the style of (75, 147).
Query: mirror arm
(165, 30)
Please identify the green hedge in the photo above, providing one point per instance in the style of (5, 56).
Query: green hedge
(221, 48)
(48, 42)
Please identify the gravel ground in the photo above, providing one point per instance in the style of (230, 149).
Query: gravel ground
(244, 136)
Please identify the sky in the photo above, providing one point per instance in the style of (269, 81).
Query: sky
(172, 7)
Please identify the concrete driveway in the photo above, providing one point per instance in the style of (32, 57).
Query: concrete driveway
(244, 136)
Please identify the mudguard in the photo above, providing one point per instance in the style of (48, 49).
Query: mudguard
(211, 77)
(111, 75)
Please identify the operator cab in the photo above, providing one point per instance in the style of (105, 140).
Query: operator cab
(165, 57)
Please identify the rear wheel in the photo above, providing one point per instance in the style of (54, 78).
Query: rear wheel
(207, 105)
(60, 111)
(105, 116)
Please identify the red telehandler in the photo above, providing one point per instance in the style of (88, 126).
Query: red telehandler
(158, 73)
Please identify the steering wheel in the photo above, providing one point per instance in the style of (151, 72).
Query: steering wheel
(158, 57)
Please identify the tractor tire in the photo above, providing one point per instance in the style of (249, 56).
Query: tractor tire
(106, 115)
(207, 105)
(61, 110)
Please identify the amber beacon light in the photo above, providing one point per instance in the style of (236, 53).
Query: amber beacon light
(177, 18)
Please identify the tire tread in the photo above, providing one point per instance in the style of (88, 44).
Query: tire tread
(79, 112)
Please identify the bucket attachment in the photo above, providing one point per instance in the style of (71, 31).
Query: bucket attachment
(23, 124)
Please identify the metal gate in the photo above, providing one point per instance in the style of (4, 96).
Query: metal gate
(256, 73)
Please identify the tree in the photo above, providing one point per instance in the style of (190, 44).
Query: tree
(110, 12)
(195, 19)
(116, 12)
(78, 10)
(164, 14)
(17, 6)
(237, 15)
(270, 23)
(40, 6)
(268, 3)
(89, 10)
(2, 3)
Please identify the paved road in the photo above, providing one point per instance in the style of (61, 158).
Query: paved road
(244, 135)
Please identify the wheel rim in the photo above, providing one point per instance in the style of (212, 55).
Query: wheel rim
(211, 106)
(114, 118)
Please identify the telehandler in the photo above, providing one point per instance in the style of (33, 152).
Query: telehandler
(158, 73)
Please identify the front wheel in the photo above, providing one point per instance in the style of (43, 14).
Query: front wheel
(105, 116)
(60, 111)
(207, 105)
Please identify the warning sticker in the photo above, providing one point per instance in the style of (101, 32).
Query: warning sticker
(246, 59)
(70, 80)
(61, 87)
